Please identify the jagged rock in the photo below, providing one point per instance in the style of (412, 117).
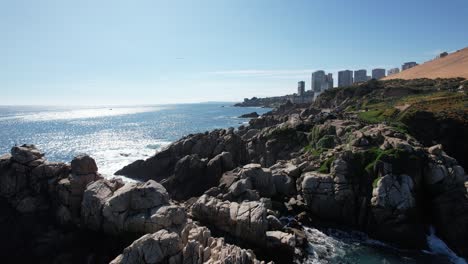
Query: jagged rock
(160, 247)
(83, 165)
(262, 179)
(284, 185)
(436, 150)
(250, 115)
(278, 239)
(25, 153)
(246, 221)
(201, 247)
(94, 199)
(240, 187)
(435, 173)
(217, 166)
(395, 192)
(250, 134)
(318, 191)
(13, 179)
(274, 223)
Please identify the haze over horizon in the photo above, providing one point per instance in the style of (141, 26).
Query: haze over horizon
(154, 52)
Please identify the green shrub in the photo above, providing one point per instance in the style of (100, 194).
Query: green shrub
(371, 116)
(326, 142)
(317, 132)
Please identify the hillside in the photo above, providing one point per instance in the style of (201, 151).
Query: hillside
(451, 66)
(430, 110)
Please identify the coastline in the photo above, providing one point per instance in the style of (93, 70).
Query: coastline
(260, 187)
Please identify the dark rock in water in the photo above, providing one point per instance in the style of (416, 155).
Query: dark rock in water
(250, 115)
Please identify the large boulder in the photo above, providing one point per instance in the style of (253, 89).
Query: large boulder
(129, 208)
(261, 178)
(188, 179)
(94, 198)
(83, 164)
(159, 247)
(25, 154)
(246, 220)
(319, 195)
(71, 189)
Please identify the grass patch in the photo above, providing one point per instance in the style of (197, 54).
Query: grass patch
(325, 167)
(371, 116)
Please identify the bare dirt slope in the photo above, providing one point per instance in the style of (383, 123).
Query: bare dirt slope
(453, 65)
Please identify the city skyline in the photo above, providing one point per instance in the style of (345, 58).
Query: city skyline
(153, 52)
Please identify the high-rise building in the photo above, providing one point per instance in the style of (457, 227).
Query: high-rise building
(329, 81)
(345, 78)
(360, 76)
(378, 74)
(393, 71)
(318, 78)
(321, 81)
(408, 65)
(301, 88)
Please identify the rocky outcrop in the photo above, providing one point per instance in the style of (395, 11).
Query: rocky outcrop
(200, 246)
(159, 247)
(246, 220)
(446, 183)
(194, 245)
(192, 175)
(26, 179)
(118, 208)
(380, 183)
(250, 115)
(205, 146)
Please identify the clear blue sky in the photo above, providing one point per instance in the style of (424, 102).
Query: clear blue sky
(144, 52)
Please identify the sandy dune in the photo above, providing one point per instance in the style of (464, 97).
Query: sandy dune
(453, 65)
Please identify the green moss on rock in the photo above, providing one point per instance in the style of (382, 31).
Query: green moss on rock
(326, 142)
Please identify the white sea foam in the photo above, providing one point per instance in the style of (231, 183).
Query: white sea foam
(81, 113)
(437, 246)
(322, 248)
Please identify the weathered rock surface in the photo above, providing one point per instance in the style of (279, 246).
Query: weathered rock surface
(246, 220)
(131, 207)
(194, 245)
(159, 247)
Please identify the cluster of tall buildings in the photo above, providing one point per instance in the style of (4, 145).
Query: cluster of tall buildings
(346, 78)
(321, 81)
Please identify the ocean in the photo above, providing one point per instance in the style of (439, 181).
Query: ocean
(113, 136)
(117, 136)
